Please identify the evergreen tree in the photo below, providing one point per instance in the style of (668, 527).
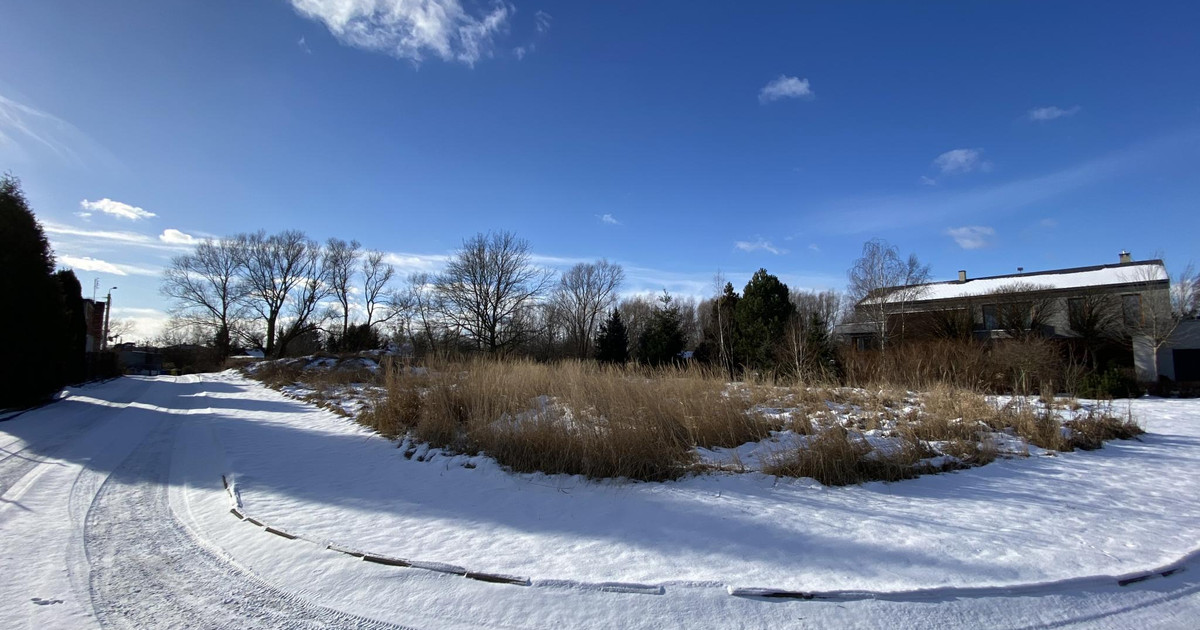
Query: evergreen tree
(612, 342)
(74, 332)
(33, 315)
(821, 355)
(663, 339)
(760, 318)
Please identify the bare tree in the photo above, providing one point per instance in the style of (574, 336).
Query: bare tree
(636, 311)
(421, 304)
(486, 287)
(882, 283)
(272, 268)
(205, 289)
(1151, 316)
(1024, 310)
(377, 276)
(584, 292)
(827, 305)
(341, 258)
(1094, 317)
(119, 328)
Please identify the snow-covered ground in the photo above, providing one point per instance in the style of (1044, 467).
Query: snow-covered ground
(114, 513)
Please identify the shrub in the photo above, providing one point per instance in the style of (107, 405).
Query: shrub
(1111, 383)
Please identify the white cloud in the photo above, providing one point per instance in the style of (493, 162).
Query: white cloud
(175, 237)
(87, 263)
(303, 44)
(406, 263)
(129, 238)
(1043, 114)
(971, 236)
(116, 209)
(928, 181)
(814, 248)
(541, 21)
(411, 29)
(961, 161)
(785, 87)
(1048, 223)
(148, 323)
(521, 51)
(759, 244)
(608, 218)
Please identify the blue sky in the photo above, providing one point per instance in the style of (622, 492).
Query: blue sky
(677, 138)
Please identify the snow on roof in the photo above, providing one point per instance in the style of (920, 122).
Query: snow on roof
(1107, 275)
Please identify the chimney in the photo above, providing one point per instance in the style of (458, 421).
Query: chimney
(1126, 257)
(962, 275)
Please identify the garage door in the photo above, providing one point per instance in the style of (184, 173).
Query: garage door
(1187, 365)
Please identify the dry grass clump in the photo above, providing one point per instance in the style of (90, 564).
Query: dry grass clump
(838, 457)
(278, 373)
(571, 417)
(1021, 366)
(641, 423)
(1091, 431)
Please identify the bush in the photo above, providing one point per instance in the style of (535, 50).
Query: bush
(1111, 383)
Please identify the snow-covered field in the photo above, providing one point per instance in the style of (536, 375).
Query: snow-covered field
(114, 512)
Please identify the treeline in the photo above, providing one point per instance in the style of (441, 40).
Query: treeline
(43, 312)
(288, 294)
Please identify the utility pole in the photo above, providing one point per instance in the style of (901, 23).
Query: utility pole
(107, 312)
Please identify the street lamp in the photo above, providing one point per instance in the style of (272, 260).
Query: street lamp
(107, 312)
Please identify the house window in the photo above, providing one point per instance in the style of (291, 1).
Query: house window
(1075, 309)
(1131, 308)
(989, 317)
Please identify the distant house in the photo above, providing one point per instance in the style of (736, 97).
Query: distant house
(93, 315)
(1127, 301)
(134, 360)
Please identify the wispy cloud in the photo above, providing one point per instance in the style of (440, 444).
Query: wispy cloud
(72, 238)
(759, 244)
(175, 237)
(302, 43)
(542, 21)
(27, 133)
(971, 236)
(87, 263)
(928, 181)
(411, 29)
(961, 161)
(785, 87)
(1043, 114)
(608, 218)
(114, 208)
(859, 214)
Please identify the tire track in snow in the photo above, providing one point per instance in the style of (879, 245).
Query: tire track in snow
(20, 462)
(148, 572)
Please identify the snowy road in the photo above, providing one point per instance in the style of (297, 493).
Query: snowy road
(113, 514)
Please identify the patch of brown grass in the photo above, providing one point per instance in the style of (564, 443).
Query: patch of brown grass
(1091, 431)
(837, 457)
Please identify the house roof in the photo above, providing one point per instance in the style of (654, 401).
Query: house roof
(1075, 278)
